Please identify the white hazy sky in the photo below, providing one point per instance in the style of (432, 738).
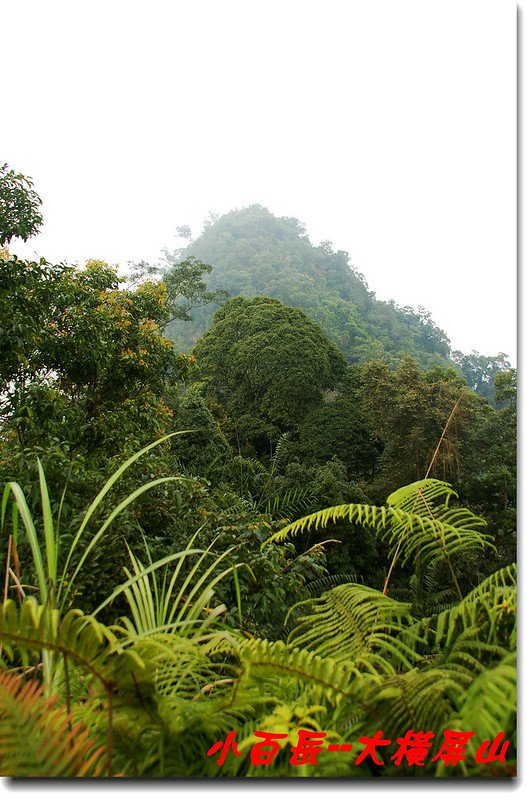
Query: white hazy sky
(387, 127)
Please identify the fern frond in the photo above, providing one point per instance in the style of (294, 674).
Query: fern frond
(356, 513)
(280, 453)
(37, 737)
(437, 531)
(290, 503)
(315, 588)
(32, 628)
(468, 653)
(502, 578)
(418, 700)
(335, 681)
(490, 609)
(357, 624)
(420, 496)
(181, 667)
(489, 704)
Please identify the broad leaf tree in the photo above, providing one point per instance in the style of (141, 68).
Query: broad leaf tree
(20, 215)
(266, 365)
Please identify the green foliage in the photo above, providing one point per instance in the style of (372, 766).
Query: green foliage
(205, 448)
(357, 624)
(433, 673)
(38, 739)
(273, 579)
(84, 381)
(490, 607)
(174, 602)
(266, 365)
(20, 215)
(488, 470)
(56, 568)
(505, 388)
(481, 372)
(408, 409)
(490, 701)
(185, 285)
(88, 359)
(339, 427)
(354, 655)
(254, 253)
(328, 680)
(468, 653)
(416, 523)
(32, 628)
(186, 562)
(128, 667)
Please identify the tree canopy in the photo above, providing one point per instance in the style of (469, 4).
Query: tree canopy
(267, 365)
(20, 215)
(254, 253)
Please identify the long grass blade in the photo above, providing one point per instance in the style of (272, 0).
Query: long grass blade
(238, 593)
(108, 485)
(97, 536)
(145, 571)
(29, 525)
(49, 533)
(175, 575)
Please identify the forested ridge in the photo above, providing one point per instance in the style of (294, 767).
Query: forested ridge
(254, 253)
(244, 495)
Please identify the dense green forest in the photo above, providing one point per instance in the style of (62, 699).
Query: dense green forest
(253, 253)
(245, 497)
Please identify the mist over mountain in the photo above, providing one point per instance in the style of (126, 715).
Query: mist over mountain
(254, 253)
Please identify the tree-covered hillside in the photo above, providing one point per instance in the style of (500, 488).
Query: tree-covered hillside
(255, 253)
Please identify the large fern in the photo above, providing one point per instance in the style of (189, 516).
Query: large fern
(417, 522)
(489, 706)
(261, 659)
(38, 737)
(490, 608)
(357, 624)
(28, 630)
